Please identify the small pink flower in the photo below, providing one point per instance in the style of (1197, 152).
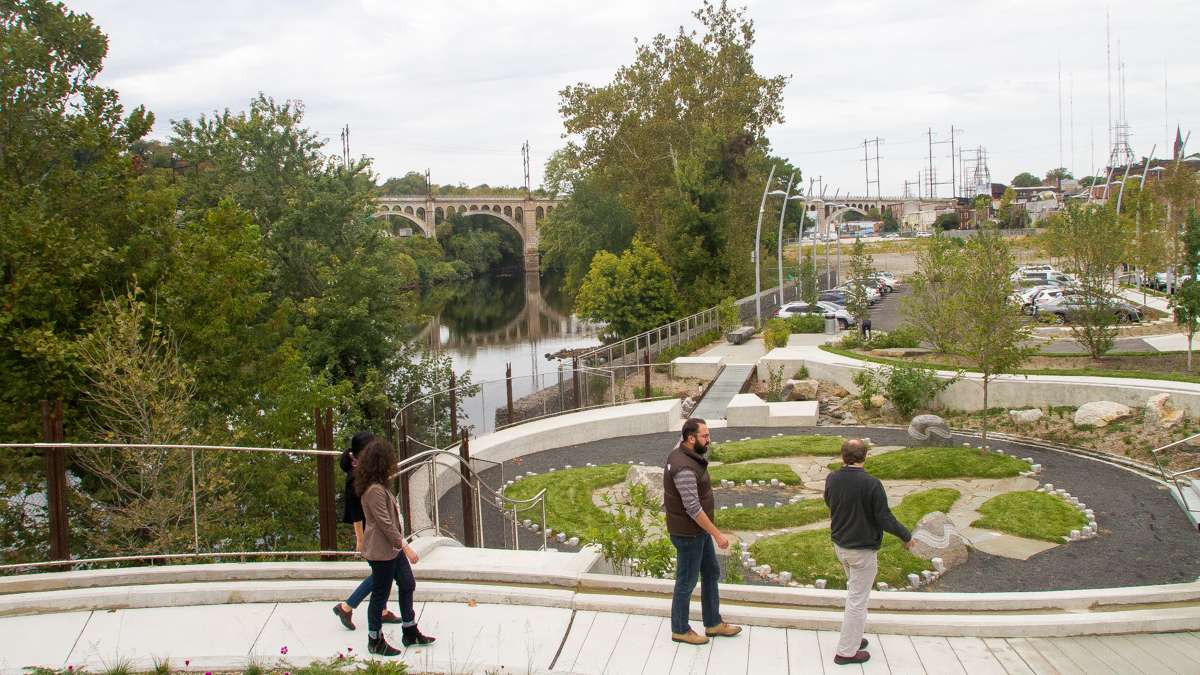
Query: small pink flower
(187, 662)
(283, 650)
(341, 656)
(349, 649)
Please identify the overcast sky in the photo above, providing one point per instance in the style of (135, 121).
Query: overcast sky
(457, 86)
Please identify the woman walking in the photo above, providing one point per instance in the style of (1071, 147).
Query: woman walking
(385, 549)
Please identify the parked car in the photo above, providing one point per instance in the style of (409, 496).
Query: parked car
(887, 279)
(833, 295)
(1065, 308)
(823, 307)
(873, 294)
(923, 234)
(1046, 296)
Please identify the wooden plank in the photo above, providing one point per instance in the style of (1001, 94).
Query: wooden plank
(878, 665)
(1120, 656)
(1171, 660)
(637, 639)
(1057, 657)
(488, 636)
(828, 640)
(937, 655)
(1179, 642)
(901, 655)
(662, 654)
(974, 656)
(691, 659)
(1033, 658)
(768, 651)
(601, 642)
(1008, 657)
(804, 653)
(580, 626)
(729, 654)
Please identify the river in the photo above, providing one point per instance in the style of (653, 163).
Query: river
(487, 323)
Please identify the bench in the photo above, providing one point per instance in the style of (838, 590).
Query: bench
(738, 336)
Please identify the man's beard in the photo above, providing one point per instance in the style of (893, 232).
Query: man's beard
(700, 449)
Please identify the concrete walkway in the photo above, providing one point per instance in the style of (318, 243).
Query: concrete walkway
(727, 385)
(478, 638)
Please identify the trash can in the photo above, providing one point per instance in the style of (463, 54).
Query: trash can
(830, 324)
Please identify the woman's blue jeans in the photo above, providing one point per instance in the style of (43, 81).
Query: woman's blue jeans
(696, 558)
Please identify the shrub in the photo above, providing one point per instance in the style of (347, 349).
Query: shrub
(806, 323)
(775, 384)
(775, 333)
(728, 315)
(911, 388)
(901, 337)
(867, 381)
(801, 373)
(851, 340)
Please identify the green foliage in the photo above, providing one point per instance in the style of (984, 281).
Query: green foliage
(1025, 180)
(1093, 242)
(941, 462)
(733, 565)
(947, 221)
(740, 473)
(728, 314)
(809, 289)
(862, 267)
(801, 373)
(803, 512)
(702, 340)
(1186, 300)
(1035, 515)
(775, 333)
(631, 294)
(1011, 215)
(905, 337)
(777, 446)
(591, 220)
(569, 506)
(809, 555)
(483, 243)
(911, 388)
(805, 323)
(775, 384)
(867, 384)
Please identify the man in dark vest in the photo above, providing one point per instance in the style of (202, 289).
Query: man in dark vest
(688, 501)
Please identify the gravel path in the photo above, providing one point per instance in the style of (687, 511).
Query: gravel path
(1144, 537)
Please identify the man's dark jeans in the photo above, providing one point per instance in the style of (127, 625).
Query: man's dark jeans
(383, 573)
(696, 558)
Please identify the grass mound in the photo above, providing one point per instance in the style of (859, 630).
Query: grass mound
(933, 463)
(569, 506)
(789, 515)
(809, 555)
(740, 473)
(1035, 515)
(779, 446)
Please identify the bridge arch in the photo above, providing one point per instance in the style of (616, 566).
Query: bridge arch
(412, 218)
(839, 213)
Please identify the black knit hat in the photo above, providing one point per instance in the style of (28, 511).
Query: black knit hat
(359, 441)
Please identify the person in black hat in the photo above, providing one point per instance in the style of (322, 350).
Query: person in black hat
(353, 515)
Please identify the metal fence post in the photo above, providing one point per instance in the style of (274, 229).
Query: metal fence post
(575, 380)
(56, 481)
(508, 390)
(405, 499)
(325, 498)
(453, 407)
(646, 391)
(468, 494)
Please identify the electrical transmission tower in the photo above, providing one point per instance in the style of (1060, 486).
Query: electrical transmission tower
(976, 177)
(867, 159)
(525, 161)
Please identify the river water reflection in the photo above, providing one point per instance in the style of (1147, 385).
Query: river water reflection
(488, 323)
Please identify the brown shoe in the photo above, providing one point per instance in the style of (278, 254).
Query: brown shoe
(722, 630)
(691, 637)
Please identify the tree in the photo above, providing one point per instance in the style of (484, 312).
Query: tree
(1011, 215)
(862, 267)
(631, 294)
(1186, 300)
(1057, 176)
(927, 308)
(592, 219)
(1093, 242)
(982, 205)
(947, 221)
(1026, 179)
(809, 291)
(989, 329)
(1089, 181)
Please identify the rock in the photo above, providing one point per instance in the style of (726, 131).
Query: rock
(838, 391)
(855, 406)
(1161, 414)
(849, 420)
(878, 400)
(900, 352)
(800, 390)
(1025, 417)
(649, 476)
(936, 537)
(1100, 413)
(889, 409)
(929, 429)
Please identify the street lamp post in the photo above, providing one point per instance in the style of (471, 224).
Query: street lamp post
(757, 242)
(787, 195)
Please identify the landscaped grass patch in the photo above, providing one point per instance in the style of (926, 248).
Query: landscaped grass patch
(569, 506)
(777, 446)
(752, 518)
(740, 473)
(1035, 515)
(809, 555)
(949, 462)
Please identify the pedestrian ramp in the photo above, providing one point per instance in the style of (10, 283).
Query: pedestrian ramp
(728, 384)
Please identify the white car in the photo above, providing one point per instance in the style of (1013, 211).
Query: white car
(823, 307)
(873, 295)
(888, 279)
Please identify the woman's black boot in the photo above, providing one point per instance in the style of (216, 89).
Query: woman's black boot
(412, 636)
(380, 646)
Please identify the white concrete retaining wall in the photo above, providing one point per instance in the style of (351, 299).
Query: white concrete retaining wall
(1004, 391)
(748, 410)
(702, 367)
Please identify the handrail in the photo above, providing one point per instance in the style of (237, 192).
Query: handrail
(171, 446)
(646, 334)
(1174, 476)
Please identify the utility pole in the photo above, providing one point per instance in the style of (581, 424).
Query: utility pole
(878, 185)
(953, 172)
(932, 187)
(525, 161)
(867, 166)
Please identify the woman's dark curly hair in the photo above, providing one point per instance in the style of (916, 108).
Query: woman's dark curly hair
(375, 465)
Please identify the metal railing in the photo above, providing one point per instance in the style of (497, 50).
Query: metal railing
(1176, 479)
(654, 341)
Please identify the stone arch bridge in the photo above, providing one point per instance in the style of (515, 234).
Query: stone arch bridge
(914, 213)
(524, 215)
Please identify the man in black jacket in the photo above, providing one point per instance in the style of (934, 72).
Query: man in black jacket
(859, 515)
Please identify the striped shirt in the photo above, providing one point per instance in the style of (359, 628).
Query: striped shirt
(689, 492)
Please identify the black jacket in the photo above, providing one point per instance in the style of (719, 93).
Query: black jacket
(353, 513)
(858, 508)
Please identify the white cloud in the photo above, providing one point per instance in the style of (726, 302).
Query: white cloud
(457, 86)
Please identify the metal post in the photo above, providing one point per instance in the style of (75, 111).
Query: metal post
(56, 481)
(575, 381)
(562, 405)
(762, 207)
(325, 498)
(646, 391)
(453, 407)
(403, 451)
(468, 495)
(779, 238)
(508, 390)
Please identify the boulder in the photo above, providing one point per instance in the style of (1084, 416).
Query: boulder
(800, 390)
(929, 430)
(1161, 414)
(878, 400)
(649, 476)
(935, 536)
(901, 352)
(1024, 418)
(849, 420)
(1100, 413)
(838, 391)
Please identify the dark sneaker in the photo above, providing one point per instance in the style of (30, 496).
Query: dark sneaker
(344, 616)
(859, 657)
(412, 636)
(388, 617)
(381, 647)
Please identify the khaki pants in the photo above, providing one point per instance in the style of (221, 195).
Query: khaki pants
(861, 565)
